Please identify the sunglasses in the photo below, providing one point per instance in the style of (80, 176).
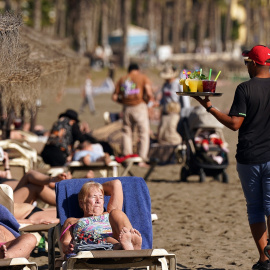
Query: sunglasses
(246, 61)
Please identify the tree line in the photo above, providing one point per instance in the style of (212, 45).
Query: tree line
(186, 25)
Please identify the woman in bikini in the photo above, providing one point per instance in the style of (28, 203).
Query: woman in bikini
(98, 229)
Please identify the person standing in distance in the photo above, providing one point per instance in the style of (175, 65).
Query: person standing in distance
(134, 91)
(88, 96)
(249, 114)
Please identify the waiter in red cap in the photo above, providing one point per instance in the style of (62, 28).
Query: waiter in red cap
(250, 114)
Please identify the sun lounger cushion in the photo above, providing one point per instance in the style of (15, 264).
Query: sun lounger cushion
(8, 221)
(137, 203)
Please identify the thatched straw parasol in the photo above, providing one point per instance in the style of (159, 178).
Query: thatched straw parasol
(30, 63)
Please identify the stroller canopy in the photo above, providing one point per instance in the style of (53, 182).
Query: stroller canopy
(200, 118)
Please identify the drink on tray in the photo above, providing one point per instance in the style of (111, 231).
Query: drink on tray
(193, 84)
(185, 87)
(200, 86)
(209, 86)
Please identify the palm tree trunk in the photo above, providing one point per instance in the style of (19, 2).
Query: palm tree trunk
(218, 38)
(139, 12)
(166, 27)
(151, 19)
(96, 23)
(228, 28)
(189, 24)
(104, 31)
(176, 26)
(158, 23)
(60, 20)
(248, 17)
(73, 23)
(201, 23)
(8, 6)
(114, 14)
(214, 25)
(126, 5)
(37, 15)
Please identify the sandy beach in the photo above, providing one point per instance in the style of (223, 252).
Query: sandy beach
(204, 224)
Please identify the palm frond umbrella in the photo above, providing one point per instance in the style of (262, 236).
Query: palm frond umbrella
(30, 63)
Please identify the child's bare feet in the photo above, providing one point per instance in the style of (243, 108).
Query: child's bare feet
(136, 239)
(3, 252)
(125, 239)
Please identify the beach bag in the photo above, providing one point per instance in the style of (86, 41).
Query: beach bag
(61, 135)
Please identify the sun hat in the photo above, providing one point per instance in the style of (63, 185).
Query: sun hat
(169, 72)
(73, 115)
(260, 54)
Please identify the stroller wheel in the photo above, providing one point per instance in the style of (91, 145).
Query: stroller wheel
(225, 178)
(217, 177)
(202, 176)
(183, 174)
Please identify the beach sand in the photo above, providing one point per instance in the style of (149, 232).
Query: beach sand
(204, 224)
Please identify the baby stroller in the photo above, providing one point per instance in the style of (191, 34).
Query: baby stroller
(206, 148)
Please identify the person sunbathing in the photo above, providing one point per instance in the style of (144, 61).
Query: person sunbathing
(12, 244)
(88, 153)
(34, 185)
(98, 229)
(26, 213)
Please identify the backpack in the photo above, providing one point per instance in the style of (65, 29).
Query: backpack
(61, 135)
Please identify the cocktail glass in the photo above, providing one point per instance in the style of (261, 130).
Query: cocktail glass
(185, 88)
(200, 86)
(183, 83)
(209, 86)
(193, 85)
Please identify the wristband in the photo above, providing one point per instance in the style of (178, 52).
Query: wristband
(209, 108)
(7, 169)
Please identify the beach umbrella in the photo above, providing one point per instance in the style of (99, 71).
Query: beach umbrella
(30, 64)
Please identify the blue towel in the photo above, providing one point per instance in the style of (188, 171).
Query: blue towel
(8, 221)
(137, 203)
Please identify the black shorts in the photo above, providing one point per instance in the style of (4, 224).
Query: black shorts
(3, 180)
(53, 156)
(34, 210)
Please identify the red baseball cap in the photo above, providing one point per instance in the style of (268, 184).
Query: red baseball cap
(260, 54)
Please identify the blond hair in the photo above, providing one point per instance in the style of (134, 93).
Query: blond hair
(85, 188)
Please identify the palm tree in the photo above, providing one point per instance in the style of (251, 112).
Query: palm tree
(37, 15)
(104, 31)
(177, 4)
(60, 18)
(125, 19)
(201, 22)
(151, 18)
(189, 24)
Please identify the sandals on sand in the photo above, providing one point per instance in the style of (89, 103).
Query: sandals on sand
(261, 265)
(267, 249)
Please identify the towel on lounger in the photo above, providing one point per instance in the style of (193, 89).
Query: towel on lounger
(137, 203)
(8, 221)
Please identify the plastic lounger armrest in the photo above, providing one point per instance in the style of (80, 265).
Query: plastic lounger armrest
(36, 228)
(124, 259)
(9, 263)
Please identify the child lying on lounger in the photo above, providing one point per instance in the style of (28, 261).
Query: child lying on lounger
(88, 153)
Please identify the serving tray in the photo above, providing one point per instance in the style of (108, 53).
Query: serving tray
(198, 94)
